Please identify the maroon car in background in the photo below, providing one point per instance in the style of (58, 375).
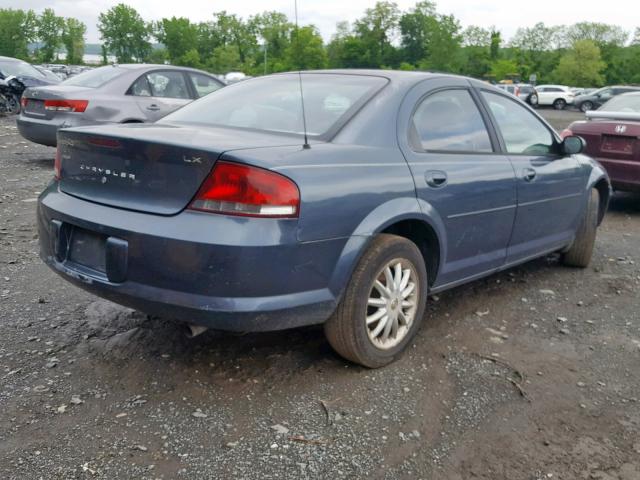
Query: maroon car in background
(612, 134)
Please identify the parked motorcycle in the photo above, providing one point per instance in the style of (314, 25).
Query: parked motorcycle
(11, 89)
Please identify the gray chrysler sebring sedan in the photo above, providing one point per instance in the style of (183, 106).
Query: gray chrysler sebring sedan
(113, 94)
(234, 213)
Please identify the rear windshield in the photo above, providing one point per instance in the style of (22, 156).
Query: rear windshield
(95, 78)
(629, 103)
(273, 103)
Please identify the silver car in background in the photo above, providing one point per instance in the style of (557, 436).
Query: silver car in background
(113, 94)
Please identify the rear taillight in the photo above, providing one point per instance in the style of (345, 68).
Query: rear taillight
(566, 133)
(57, 165)
(23, 102)
(66, 105)
(235, 189)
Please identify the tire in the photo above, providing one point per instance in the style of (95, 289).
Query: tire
(559, 104)
(581, 251)
(13, 105)
(586, 106)
(348, 330)
(533, 100)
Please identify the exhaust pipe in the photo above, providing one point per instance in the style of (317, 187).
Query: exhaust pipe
(193, 330)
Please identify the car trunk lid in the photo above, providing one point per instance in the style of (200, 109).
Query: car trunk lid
(34, 97)
(611, 139)
(149, 168)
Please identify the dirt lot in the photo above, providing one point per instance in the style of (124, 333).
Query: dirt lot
(530, 374)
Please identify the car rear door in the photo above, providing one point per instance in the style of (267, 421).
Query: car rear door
(459, 175)
(160, 92)
(550, 186)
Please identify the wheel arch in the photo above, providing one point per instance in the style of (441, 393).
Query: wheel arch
(410, 218)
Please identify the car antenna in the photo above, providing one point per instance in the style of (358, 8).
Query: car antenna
(306, 145)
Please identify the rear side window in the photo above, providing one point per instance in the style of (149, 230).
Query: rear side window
(522, 131)
(168, 84)
(141, 87)
(449, 120)
(204, 85)
(95, 78)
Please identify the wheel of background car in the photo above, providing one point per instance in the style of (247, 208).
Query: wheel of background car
(383, 305)
(581, 251)
(559, 104)
(13, 104)
(586, 106)
(533, 99)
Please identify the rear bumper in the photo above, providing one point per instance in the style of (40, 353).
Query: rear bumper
(624, 174)
(222, 272)
(44, 132)
(38, 131)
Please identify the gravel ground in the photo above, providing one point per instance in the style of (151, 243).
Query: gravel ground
(530, 374)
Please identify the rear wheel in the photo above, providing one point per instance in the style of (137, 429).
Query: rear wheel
(581, 251)
(586, 106)
(383, 304)
(559, 104)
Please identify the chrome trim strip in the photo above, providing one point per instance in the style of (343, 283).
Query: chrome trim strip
(552, 199)
(479, 212)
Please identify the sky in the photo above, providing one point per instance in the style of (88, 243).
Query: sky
(506, 15)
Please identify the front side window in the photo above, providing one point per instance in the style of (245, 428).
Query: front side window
(449, 121)
(168, 85)
(204, 85)
(522, 131)
(274, 103)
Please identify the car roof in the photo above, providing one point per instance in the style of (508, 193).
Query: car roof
(403, 77)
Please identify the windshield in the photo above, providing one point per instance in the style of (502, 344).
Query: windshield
(19, 69)
(95, 78)
(623, 103)
(273, 103)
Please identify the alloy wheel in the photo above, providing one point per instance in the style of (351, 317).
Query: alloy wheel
(392, 304)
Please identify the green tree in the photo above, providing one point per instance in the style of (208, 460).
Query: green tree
(73, 39)
(179, 36)
(415, 30)
(233, 31)
(376, 30)
(599, 33)
(305, 50)
(50, 28)
(125, 33)
(582, 65)
(276, 32)
(494, 47)
(18, 28)
(503, 69)
(225, 59)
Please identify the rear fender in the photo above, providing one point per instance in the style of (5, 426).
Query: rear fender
(599, 179)
(385, 215)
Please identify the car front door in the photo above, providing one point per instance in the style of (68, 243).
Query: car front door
(551, 186)
(160, 92)
(459, 175)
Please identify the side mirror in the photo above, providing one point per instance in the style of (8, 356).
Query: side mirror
(573, 145)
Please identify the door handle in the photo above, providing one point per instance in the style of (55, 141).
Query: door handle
(435, 178)
(528, 174)
(153, 107)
